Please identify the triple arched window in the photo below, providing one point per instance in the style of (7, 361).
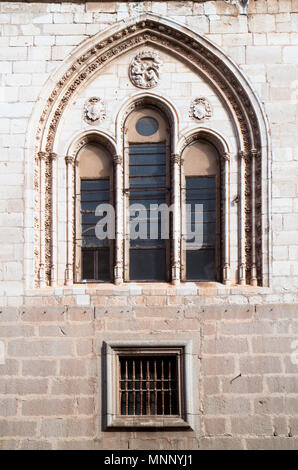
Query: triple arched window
(162, 213)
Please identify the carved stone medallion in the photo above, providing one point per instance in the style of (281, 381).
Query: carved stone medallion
(200, 109)
(144, 70)
(94, 110)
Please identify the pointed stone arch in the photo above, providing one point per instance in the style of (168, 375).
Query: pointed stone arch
(226, 78)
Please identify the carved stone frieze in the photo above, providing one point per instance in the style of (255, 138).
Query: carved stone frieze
(144, 69)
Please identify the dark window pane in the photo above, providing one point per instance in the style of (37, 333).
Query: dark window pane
(104, 264)
(147, 265)
(147, 159)
(95, 262)
(151, 182)
(200, 265)
(88, 264)
(147, 171)
(197, 182)
(201, 220)
(97, 185)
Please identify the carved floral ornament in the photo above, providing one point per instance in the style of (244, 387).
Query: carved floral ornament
(144, 69)
(94, 110)
(200, 109)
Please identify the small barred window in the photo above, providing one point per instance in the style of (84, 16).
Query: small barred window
(149, 386)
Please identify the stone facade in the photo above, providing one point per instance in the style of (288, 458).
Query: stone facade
(52, 329)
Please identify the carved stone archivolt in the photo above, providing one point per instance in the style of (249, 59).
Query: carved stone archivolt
(144, 69)
(200, 109)
(195, 52)
(94, 110)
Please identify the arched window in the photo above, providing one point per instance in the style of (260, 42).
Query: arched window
(201, 183)
(93, 187)
(147, 186)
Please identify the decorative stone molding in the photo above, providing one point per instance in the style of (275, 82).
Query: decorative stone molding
(233, 89)
(200, 109)
(144, 69)
(94, 110)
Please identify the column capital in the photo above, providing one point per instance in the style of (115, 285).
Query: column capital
(53, 156)
(117, 159)
(69, 160)
(43, 155)
(254, 153)
(226, 156)
(175, 158)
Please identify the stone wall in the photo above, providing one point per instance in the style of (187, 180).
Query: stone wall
(38, 37)
(49, 382)
(50, 385)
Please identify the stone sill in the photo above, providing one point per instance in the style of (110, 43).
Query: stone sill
(146, 422)
(183, 289)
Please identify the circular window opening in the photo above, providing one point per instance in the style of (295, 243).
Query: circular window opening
(147, 126)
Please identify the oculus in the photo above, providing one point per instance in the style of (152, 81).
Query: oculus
(146, 126)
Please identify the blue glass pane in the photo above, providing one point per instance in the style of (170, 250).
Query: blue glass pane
(199, 182)
(147, 126)
(153, 182)
(148, 170)
(95, 185)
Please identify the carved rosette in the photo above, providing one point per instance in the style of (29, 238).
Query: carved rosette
(144, 69)
(200, 109)
(94, 110)
(201, 58)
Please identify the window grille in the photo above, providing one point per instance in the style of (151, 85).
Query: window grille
(149, 385)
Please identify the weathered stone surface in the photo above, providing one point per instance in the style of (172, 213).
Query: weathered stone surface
(51, 382)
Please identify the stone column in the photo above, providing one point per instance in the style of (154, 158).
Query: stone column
(175, 161)
(42, 273)
(242, 267)
(253, 276)
(118, 267)
(226, 210)
(70, 211)
(53, 158)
